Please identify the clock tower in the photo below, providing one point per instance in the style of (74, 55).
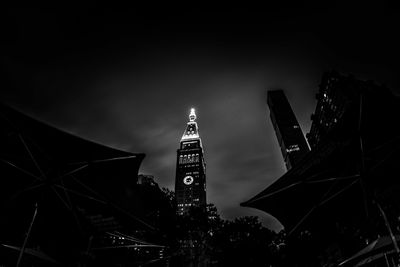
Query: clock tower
(190, 180)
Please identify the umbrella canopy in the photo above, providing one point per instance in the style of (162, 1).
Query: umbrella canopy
(81, 188)
(339, 179)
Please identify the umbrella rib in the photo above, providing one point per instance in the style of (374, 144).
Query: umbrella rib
(25, 190)
(31, 155)
(333, 179)
(302, 219)
(112, 159)
(384, 144)
(362, 171)
(118, 234)
(275, 192)
(306, 182)
(381, 161)
(317, 174)
(155, 260)
(132, 216)
(33, 252)
(319, 204)
(21, 169)
(88, 188)
(73, 171)
(115, 206)
(80, 194)
(70, 203)
(131, 239)
(102, 160)
(62, 200)
(339, 192)
(360, 136)
(128, 246)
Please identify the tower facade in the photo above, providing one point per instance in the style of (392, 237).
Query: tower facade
(190, 179)
(290, 137)
(337, 93)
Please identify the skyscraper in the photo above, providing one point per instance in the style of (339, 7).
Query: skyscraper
(339, 94)
(190, 180)
(336, 93)
(290, 137)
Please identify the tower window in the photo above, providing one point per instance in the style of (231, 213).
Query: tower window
(293, 148)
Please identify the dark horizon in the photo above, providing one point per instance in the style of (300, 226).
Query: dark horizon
(127, 79)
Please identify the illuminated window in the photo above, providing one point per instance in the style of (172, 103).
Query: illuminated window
(293, 148)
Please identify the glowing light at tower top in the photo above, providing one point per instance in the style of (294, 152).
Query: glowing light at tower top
(192, 130)
(192, 115)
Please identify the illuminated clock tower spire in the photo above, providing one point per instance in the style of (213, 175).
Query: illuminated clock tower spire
(190, 180)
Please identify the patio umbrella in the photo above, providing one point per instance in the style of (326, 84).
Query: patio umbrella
(80, 187)
(344, 175)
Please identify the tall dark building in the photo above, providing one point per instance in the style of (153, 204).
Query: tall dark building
(337, 94)
(190, 180)
(290, 137)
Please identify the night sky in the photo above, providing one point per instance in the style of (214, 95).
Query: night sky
(127, 78)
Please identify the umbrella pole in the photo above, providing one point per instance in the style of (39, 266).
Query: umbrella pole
(27, 236)
(386, 259)
(396, 247)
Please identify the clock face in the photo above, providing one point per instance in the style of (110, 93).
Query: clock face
(188, 180)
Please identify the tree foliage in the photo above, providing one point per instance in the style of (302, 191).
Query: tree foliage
(204, 239)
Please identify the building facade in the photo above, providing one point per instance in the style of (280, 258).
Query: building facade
(288, 132)
(336, 92)
(190, 180)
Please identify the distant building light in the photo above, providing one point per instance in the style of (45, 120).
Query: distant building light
(293, 148)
